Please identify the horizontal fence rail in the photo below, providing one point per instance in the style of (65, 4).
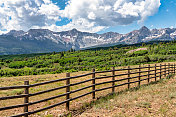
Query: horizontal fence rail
(159, 71)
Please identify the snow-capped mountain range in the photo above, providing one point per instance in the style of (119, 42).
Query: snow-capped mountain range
(44, 40)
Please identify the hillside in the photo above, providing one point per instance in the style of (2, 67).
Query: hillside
(156, 100)
(85, 60)
(44, 40)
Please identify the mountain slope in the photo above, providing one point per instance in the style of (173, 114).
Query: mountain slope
(43, 40)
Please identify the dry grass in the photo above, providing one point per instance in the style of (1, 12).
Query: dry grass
(155, 100)
(13, 81)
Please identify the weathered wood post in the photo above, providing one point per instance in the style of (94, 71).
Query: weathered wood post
(139, 78)
(168, 68)
(155, 72)
(26, 99)
(148, 74)
(174, 68)
(93, 84)
(113, 78)
(128, 77)
(160, 70)
(68, 91)
(165, 70)
(171, 68)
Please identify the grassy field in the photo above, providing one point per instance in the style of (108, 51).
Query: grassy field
(155, 100)
(75, 105)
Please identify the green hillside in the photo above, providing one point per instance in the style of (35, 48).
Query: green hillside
(100, 58)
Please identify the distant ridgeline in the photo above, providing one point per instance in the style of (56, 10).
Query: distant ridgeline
(44, 41)
(103, 58)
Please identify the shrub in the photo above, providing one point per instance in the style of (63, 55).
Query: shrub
(141, 52)
(17, 64)
(147, 58)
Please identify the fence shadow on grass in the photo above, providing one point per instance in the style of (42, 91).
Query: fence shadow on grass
(89, 105)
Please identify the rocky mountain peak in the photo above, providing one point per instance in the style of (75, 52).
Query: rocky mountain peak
(61, 41)
(74, 30)
(143, 28)
(15, 32)
(39, 32)
(144, 31)
(110, 34)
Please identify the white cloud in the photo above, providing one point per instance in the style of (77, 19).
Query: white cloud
(80, 24)
(86, 15)
(26, 14)
(112, 12)
(91, 16)
(171, 27)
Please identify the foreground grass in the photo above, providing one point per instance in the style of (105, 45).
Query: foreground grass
(157, 100)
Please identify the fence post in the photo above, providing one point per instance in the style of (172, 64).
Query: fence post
(168, 68)
(93, 84)
(128, 77)
(139, 75)
(148, 74)
(26, 99)
(160, 70)
(165, 70)
(155, 72)
(171, 68)
(174, 68)
(68, 91)
(113, 78)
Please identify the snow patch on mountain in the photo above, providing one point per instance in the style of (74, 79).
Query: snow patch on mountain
(79, 40)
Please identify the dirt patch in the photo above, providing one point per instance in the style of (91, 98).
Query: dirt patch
(131, 51)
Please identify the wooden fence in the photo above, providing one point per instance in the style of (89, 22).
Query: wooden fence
(158, 72)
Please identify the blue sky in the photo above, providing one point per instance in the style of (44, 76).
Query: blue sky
(164, 18)
(98, 16)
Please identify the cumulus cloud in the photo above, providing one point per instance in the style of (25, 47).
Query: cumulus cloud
(85, 15)
(26, 14)
(112, 12)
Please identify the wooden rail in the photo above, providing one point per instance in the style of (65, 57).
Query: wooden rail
(159, 71)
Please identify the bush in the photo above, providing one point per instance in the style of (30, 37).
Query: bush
(17, 64)
(141, 53)
(147, 58)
